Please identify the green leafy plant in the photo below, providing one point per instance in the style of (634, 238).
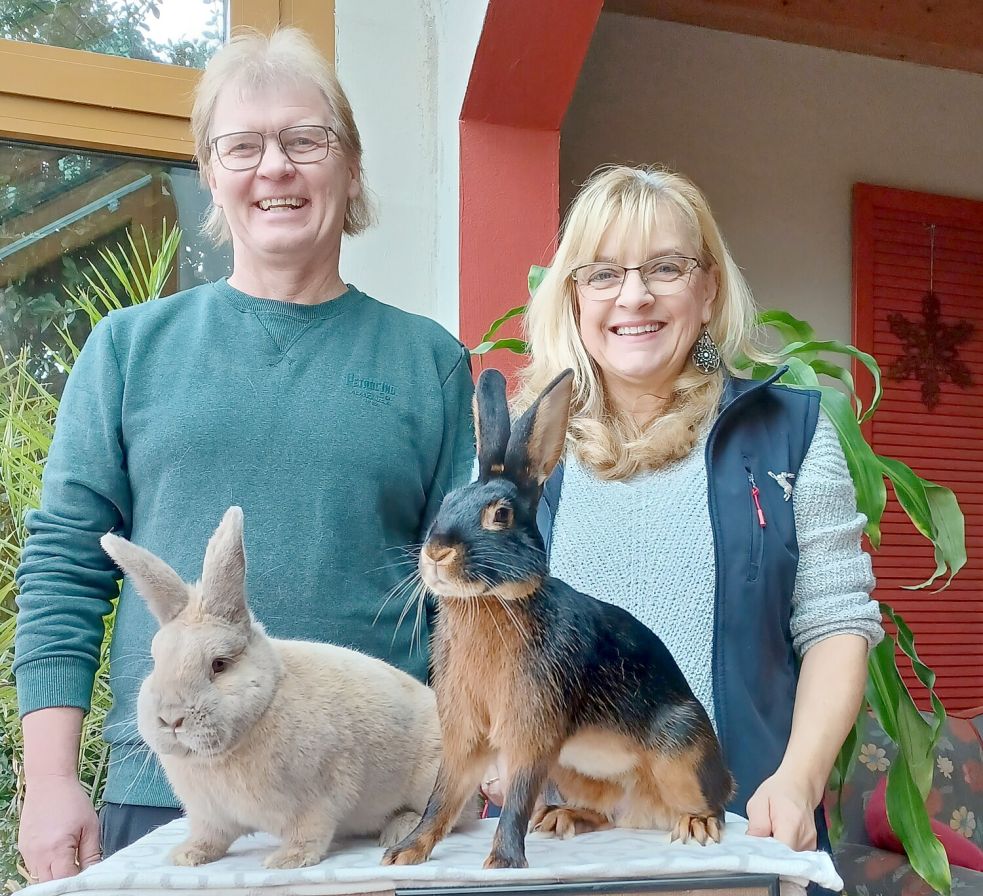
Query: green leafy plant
(27, 414)
(934, 512)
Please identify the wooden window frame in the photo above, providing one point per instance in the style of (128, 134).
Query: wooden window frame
(93, 101)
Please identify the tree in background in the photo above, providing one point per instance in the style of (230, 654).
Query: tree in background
(114, 27)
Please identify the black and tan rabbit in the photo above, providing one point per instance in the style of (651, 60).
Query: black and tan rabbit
(302, 740)
(561, 685)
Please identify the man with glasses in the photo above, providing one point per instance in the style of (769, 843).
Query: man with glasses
(337, 422)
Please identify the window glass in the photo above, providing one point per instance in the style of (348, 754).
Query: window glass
(178, 32)
(59, 208)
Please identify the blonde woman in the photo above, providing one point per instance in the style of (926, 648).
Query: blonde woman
(717, 510)
(336, 421)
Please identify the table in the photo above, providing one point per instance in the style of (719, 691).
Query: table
(597, 864)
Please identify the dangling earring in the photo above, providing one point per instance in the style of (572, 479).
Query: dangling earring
(705, 356)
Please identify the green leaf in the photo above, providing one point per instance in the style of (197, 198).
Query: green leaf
(935, 513)
(788, 326)
(811, 347)
(910, 777)
(914, 830)
(535, 276)
(799, 374)
(496, 324)
(906, 642)
(517, 346)
(836, 372)
(45, 304)
(841, 772)
(950, 527)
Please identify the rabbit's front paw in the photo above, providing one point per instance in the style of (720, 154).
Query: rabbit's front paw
(414, 854)
(196, 852)
(500, 859)
(700, 827)
(295, 855)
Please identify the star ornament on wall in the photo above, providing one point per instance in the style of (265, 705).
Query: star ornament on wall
(931, 350)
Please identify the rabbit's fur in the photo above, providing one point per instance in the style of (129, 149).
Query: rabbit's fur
(561, 685)
(301, 740)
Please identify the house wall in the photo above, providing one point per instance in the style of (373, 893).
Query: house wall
(775, 134)
(405, 67)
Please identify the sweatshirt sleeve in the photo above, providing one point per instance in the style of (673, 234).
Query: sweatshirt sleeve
(456, 457)
(66, 582)
(834, 577)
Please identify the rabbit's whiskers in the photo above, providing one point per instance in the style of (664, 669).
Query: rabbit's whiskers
(409, 581)
(411, 556)
(418, 625)
(416, 597)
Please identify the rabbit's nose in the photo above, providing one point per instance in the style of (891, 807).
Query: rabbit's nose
(173, 724)
(441, 554)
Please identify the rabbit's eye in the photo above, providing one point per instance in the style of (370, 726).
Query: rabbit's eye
(219, 665)
(497, 516)
(503, 516)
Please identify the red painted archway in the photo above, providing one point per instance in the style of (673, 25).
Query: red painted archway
(525, 69)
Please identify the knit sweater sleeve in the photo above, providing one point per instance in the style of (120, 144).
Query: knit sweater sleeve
(456, 458)
(66, 581)
(834, 577)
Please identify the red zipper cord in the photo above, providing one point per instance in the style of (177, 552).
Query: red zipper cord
(757, 502)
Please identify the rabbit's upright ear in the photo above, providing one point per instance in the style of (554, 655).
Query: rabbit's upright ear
(537, 438)
(223, 576)
(491, 423)
(158, 584)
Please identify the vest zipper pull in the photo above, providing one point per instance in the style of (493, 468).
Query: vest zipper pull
(756, 499)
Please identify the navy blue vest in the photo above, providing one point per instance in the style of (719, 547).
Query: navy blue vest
(761, 428)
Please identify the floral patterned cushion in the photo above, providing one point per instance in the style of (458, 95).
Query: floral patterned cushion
(956, 800)
(867, 871)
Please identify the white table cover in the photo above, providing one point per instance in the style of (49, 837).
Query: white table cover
(142, 869)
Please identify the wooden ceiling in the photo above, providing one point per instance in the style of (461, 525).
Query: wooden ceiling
(942, 33)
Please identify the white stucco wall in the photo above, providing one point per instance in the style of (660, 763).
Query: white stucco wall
(775, 134)
(405, 67)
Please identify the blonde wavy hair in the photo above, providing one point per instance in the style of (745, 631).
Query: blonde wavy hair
(252, 62)
(633, 202)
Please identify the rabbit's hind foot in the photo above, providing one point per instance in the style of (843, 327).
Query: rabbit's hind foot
(702, 828)
(399, 827)
(564, 822)
(297, 855)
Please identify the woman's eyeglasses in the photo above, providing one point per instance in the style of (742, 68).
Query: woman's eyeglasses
(662, 276)
(302, 144)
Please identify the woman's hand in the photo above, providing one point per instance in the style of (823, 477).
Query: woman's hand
(783, 808)
(59, 828)
(494, 781)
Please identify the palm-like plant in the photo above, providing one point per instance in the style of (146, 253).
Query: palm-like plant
(27, 417)
(932, 509)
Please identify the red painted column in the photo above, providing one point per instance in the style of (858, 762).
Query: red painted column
(529, 56)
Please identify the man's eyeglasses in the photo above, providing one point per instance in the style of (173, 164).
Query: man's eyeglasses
(662, 276)
(302, 144)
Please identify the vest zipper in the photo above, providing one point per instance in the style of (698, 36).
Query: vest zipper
(758, 523)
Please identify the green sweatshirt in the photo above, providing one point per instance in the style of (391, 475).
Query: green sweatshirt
(337, 427)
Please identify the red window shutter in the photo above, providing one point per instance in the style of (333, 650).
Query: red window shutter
(892, 260)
